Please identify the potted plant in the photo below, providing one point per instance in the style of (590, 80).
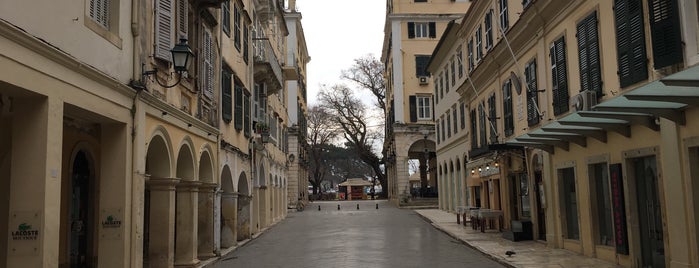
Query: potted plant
(262, 128)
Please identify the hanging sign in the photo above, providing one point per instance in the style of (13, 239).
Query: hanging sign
(620, 233)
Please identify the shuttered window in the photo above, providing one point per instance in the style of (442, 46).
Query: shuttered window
(460, 59)
(504, 19)
(443, 129)
(436, 127)
(665, 32)
(163, 29)
(474, 130)
(482, 123)
(207, 70)
(226, 97)
(453, 71)
(448, 125)
(441, 85)
(470, 55)
(99, 12)
(182, 14)
(246, 44)
(479, 44)
(630, 42)
(456, 121)
(462, 108)
(532, 93)
(236, 28)
(421, 65)
(507, 108)
(226, 14)
(492, 119)
(559, 77)
(246, 115)
(413, 108)
(422, 30)
(588, 52)
(436, 91)
(488, 30)
(239, 106)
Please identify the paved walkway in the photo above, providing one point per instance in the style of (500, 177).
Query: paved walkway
(528, 253)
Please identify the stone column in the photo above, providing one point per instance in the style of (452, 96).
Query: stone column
(229, 216)
(161, 228)
(263, 206)
(206, 246)
(243, 217)
(187, 216)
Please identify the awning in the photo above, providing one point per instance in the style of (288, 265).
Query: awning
(666, 98)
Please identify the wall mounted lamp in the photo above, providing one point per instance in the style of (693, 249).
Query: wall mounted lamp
(181, 54)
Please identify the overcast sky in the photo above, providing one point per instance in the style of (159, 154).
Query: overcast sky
(337, 32)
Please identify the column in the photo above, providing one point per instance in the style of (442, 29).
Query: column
(229, 213)
(114, 186)
(402, 178)
(206, 246)
(161, 227)
(243, 217)
(187, 216)
(35, 183)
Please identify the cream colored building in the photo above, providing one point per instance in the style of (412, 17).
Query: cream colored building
(142, 166)
(295, 73)
(591, 105)
(411, 32)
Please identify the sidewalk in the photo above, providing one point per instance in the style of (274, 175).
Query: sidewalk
(528, 253)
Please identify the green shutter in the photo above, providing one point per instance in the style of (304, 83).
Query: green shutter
(411, 30)
(665, 32)
(239, 107)
(588, 52)
(630, 41)
(561, 98)
(413, 108)
(226, 98)
(246, 113)
(532, 94)
(433, 29)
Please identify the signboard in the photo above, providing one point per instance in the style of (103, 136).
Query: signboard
(620, 233)
(24, 233)
(111, 223)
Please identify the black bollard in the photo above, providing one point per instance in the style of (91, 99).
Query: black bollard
(318, 207)
(338, 206)
(377, 206)
(357, 206)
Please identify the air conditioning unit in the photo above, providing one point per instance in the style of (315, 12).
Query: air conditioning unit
(585, 100)
(423, 80)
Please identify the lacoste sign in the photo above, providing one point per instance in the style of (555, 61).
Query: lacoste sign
(111, 222)
(25, 232)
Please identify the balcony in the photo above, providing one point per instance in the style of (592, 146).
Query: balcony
(267, 68)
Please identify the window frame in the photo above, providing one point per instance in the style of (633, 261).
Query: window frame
(424, 107)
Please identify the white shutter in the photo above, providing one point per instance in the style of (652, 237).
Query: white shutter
(182, 12)
(99, 12)
(207, 65)
(163, 29)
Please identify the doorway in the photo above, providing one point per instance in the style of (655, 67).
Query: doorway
(81, 213)
(540, 201)
(649, 214)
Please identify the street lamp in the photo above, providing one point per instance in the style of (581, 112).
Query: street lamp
(181, 54)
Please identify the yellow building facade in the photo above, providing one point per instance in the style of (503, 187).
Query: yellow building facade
(411, 31)
(580, 122)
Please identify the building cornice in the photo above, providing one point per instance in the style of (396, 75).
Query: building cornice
(53, 53)
(208, 132)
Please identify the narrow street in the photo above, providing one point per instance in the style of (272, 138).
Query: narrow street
(368, 237)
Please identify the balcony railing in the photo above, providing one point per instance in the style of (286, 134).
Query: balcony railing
(267, 66)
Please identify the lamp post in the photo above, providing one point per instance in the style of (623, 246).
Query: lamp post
(181, 54)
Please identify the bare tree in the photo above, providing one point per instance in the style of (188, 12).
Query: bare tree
(367, 73)
(352, 117)
(321, 131)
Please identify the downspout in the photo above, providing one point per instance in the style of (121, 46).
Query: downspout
(136, 83)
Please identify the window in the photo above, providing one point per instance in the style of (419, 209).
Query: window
(479, 47)
(456, 122)
(665, 31)
(630, 42)
(453, 71)
(601, 201)
(504, 19)
(492, 119)
(488, 30)
(443, 128)
(421, 65)
(470, 55)
(239, 106)
(226, 97)
(436, 127)
(424, 111)
(532, 93)
(559, 77)
(236, 21)
(474, 138)
(436, 92)
(246, 44)
(441, 84)
(460, 59)
(247, 124)
(226, 14)
(422, 30)
(446, 77)
(462, 108)
(482, 130)
(570, 203)
(588, 51)
(207, 61)
(507, 108)
(99, 12)
(163, 30)
(448, 125)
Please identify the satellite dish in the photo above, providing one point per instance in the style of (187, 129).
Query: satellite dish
(516, 82)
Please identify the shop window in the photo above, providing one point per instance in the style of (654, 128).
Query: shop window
(569, 202)
(601, 201)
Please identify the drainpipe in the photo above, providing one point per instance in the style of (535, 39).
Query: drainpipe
(139, 86)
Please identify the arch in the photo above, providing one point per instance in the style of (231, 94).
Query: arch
(451, 166)
(185, 163)
(243, 186)
(227, 180)
(206, 167)
(82, 198)
(418, 148)
(261, 178)
(158, 160)
(458, 165)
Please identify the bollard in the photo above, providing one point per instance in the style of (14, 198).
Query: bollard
(318, 207)
(377, 206)
(338, 206)
(357, 206)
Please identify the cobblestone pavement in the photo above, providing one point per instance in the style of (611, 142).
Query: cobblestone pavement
(528, 253)
(387, 237)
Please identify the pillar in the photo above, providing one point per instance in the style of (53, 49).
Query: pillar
(229, 214)
(207, 198)
(161, 228)
(186, 228)
(243, 217)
